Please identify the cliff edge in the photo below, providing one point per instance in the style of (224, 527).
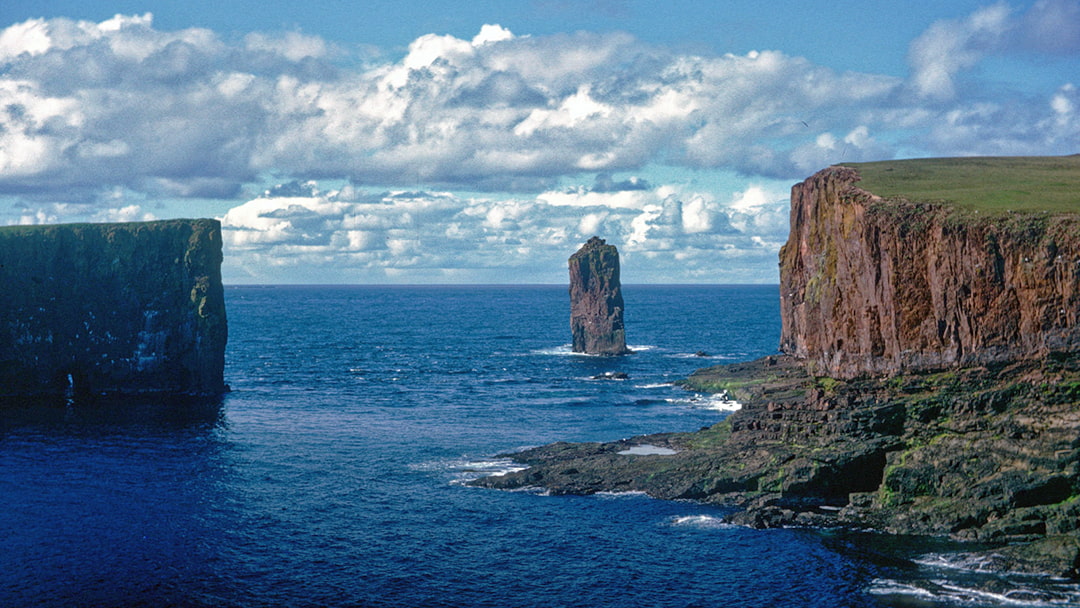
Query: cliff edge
(931, 378)
(874, 285)
(112, 308)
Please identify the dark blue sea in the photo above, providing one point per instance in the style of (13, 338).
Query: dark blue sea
(333, 473)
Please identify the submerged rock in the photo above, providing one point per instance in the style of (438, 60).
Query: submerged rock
(596, 302)
(612, 376)
(112, 308)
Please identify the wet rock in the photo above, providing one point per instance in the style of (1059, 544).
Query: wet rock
(1053, 555)
(596, 302)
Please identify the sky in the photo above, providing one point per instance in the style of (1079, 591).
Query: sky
(485, 141)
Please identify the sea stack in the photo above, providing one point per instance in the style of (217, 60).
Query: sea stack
(596, 302)
(114, 309)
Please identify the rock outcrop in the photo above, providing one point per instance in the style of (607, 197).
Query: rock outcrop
(596, 302)
(884, 286)
(931, 384)
(112, 309)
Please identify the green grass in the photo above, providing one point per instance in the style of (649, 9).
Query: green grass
(991, 185)
(31, 229)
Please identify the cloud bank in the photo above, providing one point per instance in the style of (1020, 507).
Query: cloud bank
(101, 119)
(351, 235)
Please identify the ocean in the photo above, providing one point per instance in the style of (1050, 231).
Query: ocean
(334, 472)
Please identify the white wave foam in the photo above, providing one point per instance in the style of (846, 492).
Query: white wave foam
(700, 521)
(979, 587)
(468, 470)
(1020, 595)
(534, 490)
(630, 494)
(702, 357)
(967, 562)
(566, 350)
(656, 385)
(720, 402)
(882, 586)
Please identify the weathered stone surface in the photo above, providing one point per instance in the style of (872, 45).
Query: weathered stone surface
(986, 454)
(112, 308)
(875, 286)
(596, 302)
(931, 386)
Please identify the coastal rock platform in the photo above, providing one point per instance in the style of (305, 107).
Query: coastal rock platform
(930, 376)
(981, 454)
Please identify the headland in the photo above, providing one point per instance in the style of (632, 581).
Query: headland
(100, 309)
(929, 375)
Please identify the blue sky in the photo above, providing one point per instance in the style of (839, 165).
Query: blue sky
(448, 142)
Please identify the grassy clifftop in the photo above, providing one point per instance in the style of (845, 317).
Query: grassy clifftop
(987, 184)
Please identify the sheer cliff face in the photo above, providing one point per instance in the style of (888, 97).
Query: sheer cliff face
(112, 308)
(596, 302)
(875, 286)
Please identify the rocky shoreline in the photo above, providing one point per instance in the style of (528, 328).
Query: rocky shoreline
(931, 376)
(961, 454)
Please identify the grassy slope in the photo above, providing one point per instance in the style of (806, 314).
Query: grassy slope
(988, 184)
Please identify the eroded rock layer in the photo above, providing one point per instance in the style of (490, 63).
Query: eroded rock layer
(112, 308)
(875, 286)
(931, 381)
(596, 302)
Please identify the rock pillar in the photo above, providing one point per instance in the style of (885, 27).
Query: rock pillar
(596, 302)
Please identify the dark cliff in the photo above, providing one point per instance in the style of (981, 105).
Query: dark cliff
(596, 302)
(112, 308)
(883, 285)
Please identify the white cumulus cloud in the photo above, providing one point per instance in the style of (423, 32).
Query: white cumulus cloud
(300, 232)
(89, 109)
(187, 113)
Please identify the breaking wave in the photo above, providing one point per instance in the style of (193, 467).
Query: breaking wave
(967, 579)
(700, 521)
(465, 470)
(720, 402)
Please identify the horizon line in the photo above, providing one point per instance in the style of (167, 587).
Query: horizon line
(257, 285)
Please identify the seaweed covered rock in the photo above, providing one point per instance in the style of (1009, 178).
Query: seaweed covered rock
(596, 302)
(112, 309)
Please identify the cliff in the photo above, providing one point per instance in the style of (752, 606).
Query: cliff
(932, 378)
(596, 302)
(884, 285)
(112, 308)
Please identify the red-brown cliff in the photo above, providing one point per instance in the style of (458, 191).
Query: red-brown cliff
(596, 302)
(873, 285)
